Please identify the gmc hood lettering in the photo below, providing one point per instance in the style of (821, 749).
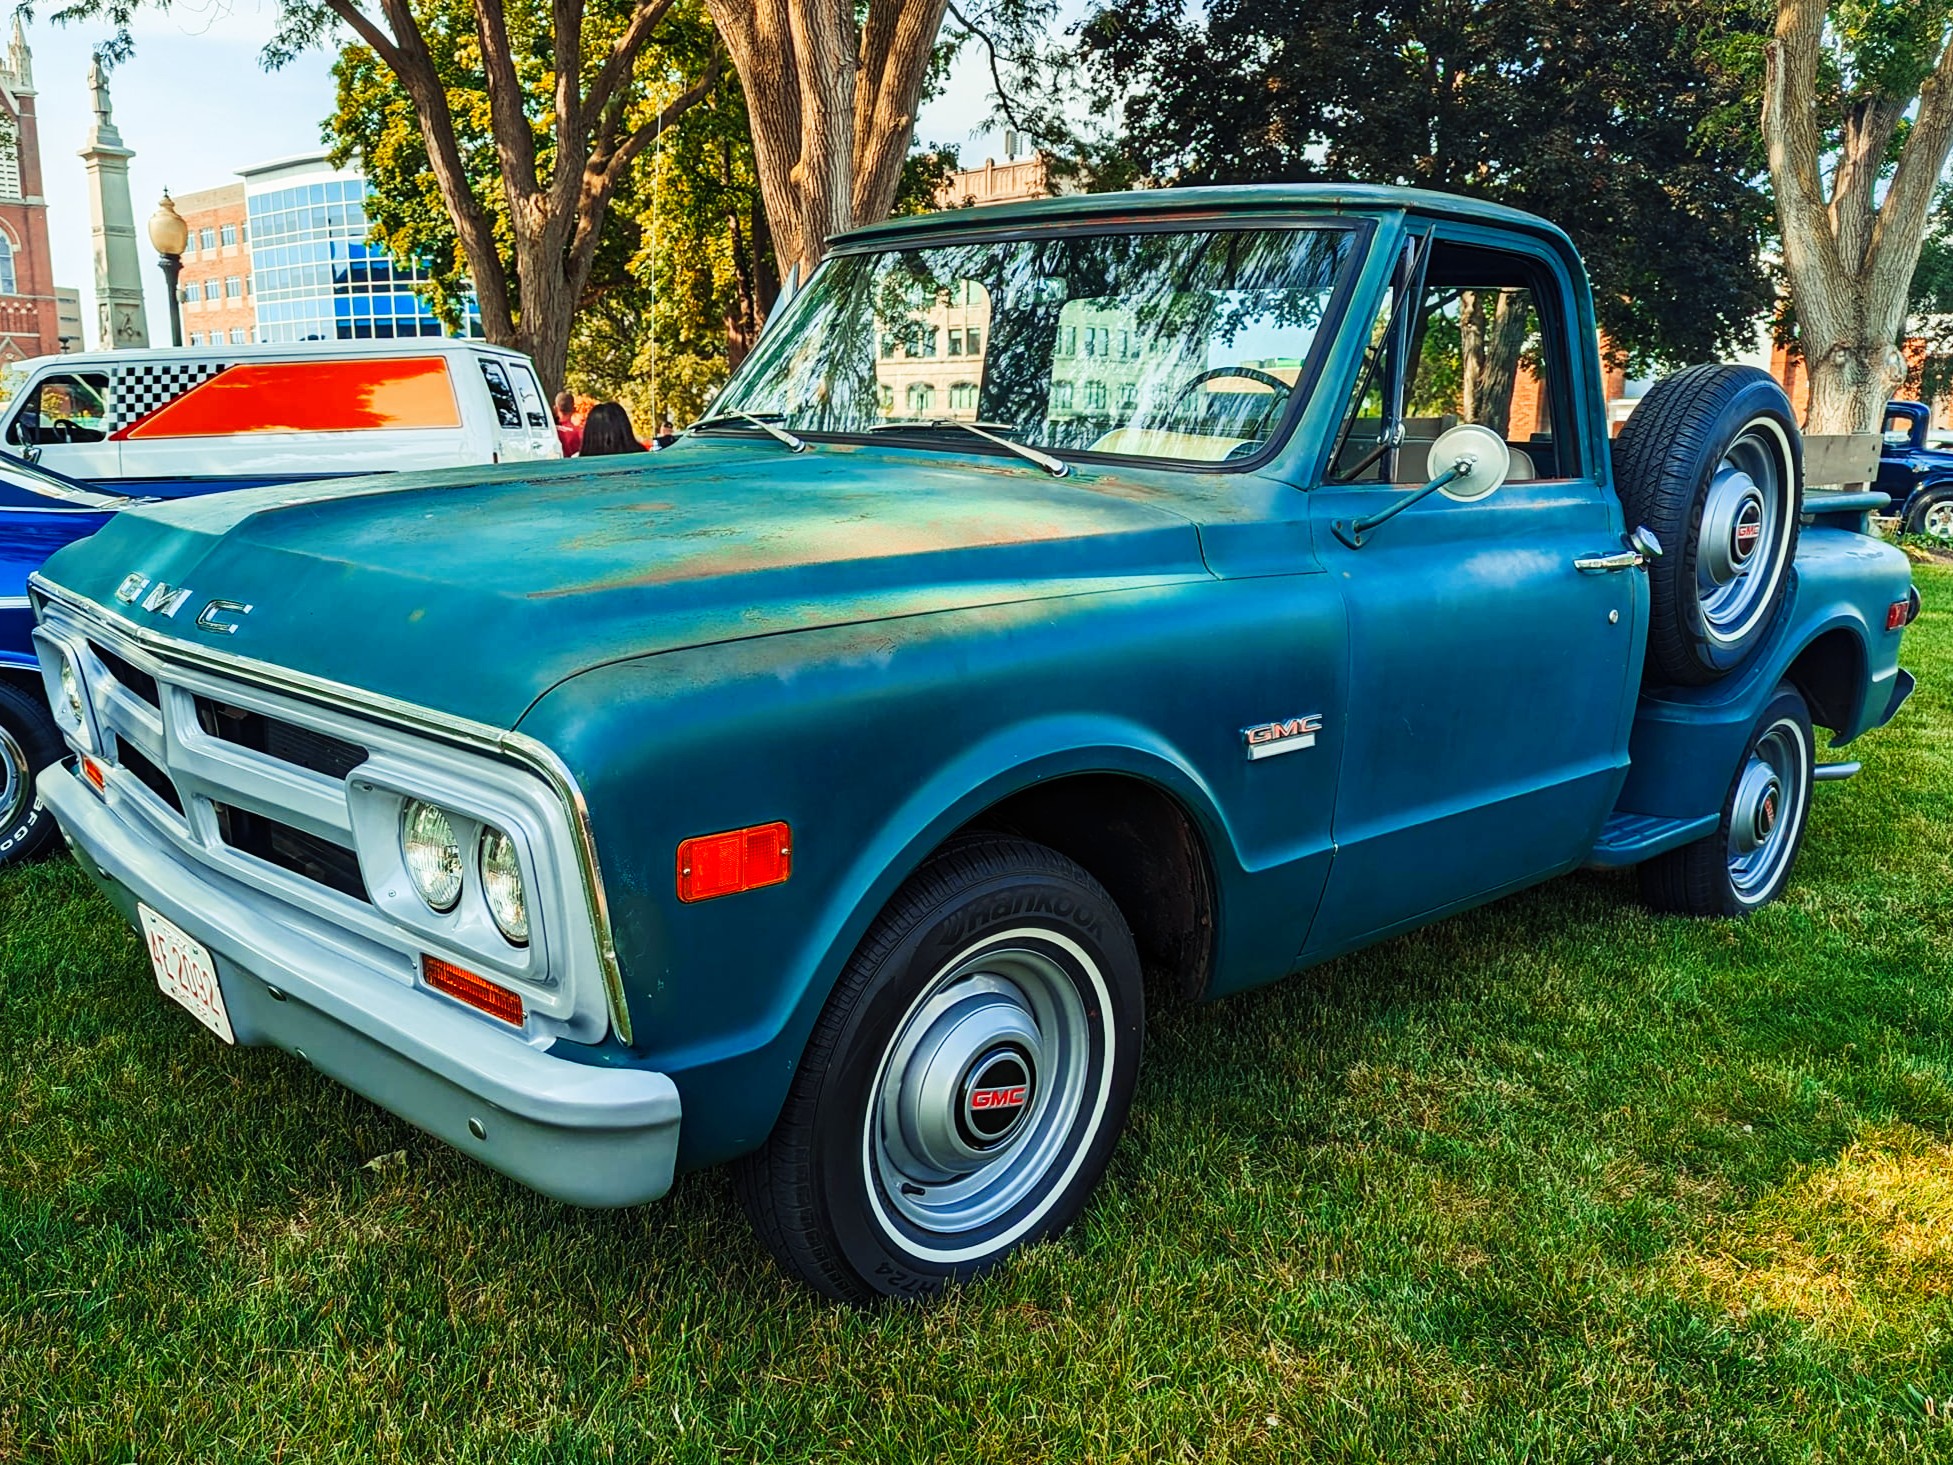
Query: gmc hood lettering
(218, 617)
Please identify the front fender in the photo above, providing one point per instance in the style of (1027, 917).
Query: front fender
(876, 742)
(1830, 639)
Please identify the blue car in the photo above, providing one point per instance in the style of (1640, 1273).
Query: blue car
(40, 511)
(1919, 478)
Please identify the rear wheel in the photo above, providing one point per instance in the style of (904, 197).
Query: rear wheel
(966, 1084)
(1748, 861)
(1711, 461)
(28, 744)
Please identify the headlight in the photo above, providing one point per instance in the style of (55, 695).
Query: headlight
(433, 859)
(501, 885)
(69, 708)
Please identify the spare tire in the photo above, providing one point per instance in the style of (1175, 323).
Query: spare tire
(1712, 462)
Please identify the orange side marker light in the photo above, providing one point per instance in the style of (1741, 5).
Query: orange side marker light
(712, 865)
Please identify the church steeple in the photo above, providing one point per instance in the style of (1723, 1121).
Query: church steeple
(20, 60)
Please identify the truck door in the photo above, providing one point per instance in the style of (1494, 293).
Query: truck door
(1491, 681)
(62, 419)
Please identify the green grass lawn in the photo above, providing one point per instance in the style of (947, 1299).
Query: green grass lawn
(1556, 1180)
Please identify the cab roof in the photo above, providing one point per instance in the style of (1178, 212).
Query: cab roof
(1200, 204)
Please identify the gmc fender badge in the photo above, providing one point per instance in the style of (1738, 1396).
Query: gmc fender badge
(1270, 738)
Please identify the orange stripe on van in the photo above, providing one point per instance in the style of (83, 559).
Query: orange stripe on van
(308, 396)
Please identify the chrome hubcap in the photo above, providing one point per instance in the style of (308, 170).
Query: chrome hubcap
(1743, 522)
(980, 1092)
(15, 783)
(1770, 800)
(1938, 520)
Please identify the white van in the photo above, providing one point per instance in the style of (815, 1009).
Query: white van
(172, 421)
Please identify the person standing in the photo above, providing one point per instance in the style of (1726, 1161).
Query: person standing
(567, 432)
(607, 430)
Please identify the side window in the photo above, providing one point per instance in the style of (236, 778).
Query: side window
(530, 395)
(66, 408)
(507, 412)
(1483, 344)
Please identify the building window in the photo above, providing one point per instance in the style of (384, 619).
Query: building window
(8, 284)
(1128, 396)
(887, 394)
(228, 234)
(973, 341)
(888, 347)
(963, 397)
(1061, 396)
(922, 397)
(212, 289)
(195, 339)
(955, 342)
(1095, 396)
(239, 335)
(208, 238)
(233, 288)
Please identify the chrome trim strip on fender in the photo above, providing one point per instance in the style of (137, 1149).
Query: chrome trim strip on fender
(14, 602)
(535, 755)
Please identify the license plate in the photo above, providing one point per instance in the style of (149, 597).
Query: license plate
(185, 972)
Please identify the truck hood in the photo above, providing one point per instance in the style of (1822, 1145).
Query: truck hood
(474, 591)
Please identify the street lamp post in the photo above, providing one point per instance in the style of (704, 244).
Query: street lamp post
(170, 235)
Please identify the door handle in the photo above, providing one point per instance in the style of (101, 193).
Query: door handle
(1622, 559)
(1642, 546)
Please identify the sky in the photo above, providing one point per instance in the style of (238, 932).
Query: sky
(196, 105)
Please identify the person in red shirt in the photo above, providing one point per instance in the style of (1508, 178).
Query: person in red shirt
(567, 431)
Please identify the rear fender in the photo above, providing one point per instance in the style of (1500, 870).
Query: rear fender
(1830, 642)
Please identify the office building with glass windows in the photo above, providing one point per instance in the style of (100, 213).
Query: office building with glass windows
(313, 275)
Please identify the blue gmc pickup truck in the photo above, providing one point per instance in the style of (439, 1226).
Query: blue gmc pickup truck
(1186, 586)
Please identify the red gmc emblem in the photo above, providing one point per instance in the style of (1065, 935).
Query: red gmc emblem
(1010, 1098)
(1748, 533)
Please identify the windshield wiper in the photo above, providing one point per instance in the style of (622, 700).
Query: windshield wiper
(753, 419)
(1056, 467)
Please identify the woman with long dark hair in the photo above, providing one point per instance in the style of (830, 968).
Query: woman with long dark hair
(608, 430)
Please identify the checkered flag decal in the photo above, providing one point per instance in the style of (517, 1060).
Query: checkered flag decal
(137, 391)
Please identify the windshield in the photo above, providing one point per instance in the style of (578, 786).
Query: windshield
(1184, 346)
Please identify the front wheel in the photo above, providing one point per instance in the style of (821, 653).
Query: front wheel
(966, 1083)
(28, 743)
(1747, 862)
(1932, 515)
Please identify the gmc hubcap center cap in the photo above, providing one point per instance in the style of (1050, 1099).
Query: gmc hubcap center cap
(996, 1096)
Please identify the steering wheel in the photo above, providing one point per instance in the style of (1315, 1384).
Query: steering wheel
(1245, 373)
(67, 429)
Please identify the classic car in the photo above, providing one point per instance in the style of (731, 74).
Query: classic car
(1182, 587)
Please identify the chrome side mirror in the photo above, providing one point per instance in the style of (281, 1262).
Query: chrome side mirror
(1472, 464)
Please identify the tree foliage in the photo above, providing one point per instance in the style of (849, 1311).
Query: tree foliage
(557, 101)
(1610, 117)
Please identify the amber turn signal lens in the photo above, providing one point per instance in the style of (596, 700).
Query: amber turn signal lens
(94, 773)
(740, 859)
(465, 986)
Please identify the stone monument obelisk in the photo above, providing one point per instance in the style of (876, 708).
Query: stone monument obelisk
(118, 264)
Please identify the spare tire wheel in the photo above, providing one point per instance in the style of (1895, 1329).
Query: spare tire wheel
(1712, 462)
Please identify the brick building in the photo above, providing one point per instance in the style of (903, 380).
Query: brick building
(30, 306)
(215, 288)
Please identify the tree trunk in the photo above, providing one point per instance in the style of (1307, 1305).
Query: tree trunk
(1849, 254)
(832, 106)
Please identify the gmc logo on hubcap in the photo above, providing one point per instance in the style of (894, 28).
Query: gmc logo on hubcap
(1011, 1098)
